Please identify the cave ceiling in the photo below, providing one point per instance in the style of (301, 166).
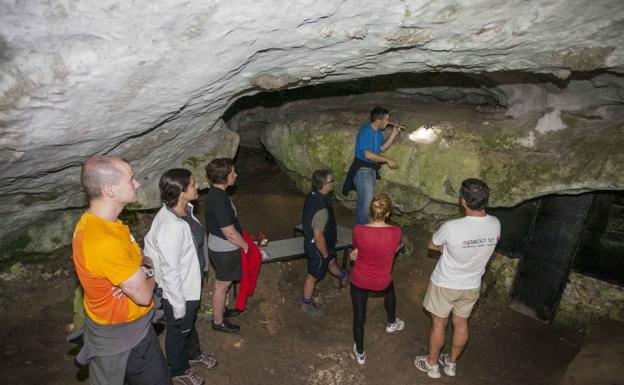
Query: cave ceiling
(151, 81)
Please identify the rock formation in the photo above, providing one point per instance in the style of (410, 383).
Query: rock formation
(537, 140)
(150, 81)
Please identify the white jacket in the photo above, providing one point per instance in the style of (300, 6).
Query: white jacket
(169, 243)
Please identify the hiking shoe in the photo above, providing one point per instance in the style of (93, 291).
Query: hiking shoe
(432, 371)
(206, 361)
(398, 325)
(225, 326)
(311, 309)
(189, 378)
(231, 313)
(360, 358)
(449, 368)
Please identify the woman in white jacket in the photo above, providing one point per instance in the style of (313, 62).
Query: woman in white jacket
(177, 244)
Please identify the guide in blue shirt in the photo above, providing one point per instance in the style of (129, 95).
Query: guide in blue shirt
(364, 171)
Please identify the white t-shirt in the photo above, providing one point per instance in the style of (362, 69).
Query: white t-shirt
(468, 245)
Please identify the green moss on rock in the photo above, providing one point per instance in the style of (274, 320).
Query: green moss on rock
(587, 155)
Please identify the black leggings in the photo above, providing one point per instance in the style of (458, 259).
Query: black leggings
(359, 297)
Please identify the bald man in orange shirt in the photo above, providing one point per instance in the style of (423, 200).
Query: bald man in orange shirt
(120, 344)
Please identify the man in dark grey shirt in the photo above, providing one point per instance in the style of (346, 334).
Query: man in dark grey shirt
(319, 232)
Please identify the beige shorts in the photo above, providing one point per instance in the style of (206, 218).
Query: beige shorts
(440, 301)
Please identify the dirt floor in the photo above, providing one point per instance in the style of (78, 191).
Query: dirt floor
(278, 344)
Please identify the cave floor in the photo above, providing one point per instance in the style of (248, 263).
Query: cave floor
(277, 343)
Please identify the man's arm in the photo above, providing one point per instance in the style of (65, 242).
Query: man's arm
(381, 159)
(139, 288)
(395, 132)
(321, 243)
(433, 246)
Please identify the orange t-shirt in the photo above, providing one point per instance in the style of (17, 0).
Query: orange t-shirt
(105, 255)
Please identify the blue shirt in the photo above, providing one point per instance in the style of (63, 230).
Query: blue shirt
(368, 139)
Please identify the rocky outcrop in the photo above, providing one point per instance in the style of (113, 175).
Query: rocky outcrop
(150, 80)
(554, 146)
(588, 300)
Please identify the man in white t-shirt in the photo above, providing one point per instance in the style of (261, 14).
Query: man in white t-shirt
(466, 245)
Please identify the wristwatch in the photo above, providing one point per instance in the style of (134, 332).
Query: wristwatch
(148, 270)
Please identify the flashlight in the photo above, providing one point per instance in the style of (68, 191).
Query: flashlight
(402, 128)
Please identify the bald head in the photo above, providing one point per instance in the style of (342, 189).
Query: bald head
(99, 171)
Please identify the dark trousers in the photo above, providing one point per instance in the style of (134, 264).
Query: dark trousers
(181, 340)
(359, 298)
(146, 363)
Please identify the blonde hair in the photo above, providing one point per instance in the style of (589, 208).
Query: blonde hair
(379, 207)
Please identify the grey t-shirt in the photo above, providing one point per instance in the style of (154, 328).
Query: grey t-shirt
(198, 239)
(319, 220)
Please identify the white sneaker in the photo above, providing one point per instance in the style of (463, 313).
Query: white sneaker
(449, 368)
(432, 371)
(360, 358)
(398, 325)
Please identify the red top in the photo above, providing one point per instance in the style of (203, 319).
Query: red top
(376, 247)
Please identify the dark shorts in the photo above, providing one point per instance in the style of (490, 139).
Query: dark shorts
(227, 264)
(317, 265)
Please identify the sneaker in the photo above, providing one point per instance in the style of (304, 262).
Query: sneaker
(449, 368)
(206, 361)
(231, 313)
(311, 309)
(360, 358)
(225, 326)
(422, 365)
(189, 378)
(398, 325)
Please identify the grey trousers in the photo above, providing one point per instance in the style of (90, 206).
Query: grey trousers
(143, 365)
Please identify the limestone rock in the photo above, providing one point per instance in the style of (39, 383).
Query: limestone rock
(580, 153)
(150, 80)
(587, 300)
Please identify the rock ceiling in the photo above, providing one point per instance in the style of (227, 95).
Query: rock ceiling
(151, 80)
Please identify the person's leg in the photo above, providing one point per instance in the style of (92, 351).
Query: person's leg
(342, 275)
(108, 370)
(333, 268)
(193, 349)
(317, 267)
(436, 338)
(460, 337)
(308, 287)
(218, 300)
(390, 303)
(146, 363)
(359, 298)
(175, 342)
(365, 187)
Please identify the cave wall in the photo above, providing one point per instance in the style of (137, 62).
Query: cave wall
(150, 80)
(520, 157)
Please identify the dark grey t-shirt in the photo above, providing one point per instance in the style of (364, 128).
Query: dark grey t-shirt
(198, 237)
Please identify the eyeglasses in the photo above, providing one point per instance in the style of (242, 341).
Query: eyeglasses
(330, 181)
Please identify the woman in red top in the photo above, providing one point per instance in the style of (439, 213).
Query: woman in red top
(374, 247)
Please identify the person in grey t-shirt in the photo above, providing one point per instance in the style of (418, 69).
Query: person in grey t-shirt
(225, 240)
